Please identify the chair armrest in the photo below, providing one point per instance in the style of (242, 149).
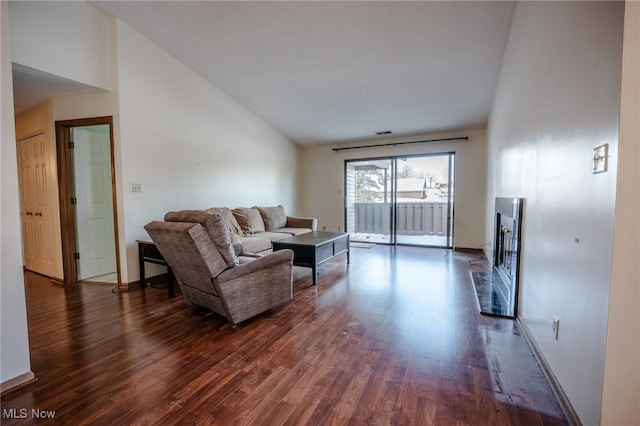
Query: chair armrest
(302, 222)
(254, 287)
(263, 262)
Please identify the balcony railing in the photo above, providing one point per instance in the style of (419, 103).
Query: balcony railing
(429, 218)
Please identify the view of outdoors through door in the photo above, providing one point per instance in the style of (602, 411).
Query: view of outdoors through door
(369, 200)
(401, 200)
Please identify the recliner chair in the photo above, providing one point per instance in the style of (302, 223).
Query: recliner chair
(210, 273)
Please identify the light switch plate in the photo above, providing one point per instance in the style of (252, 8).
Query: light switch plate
(600, 158)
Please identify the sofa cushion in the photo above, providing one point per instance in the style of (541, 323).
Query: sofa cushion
(245, 259)
(235, 239)
(273, 236)
(215, 227)
(227, 215)
(254, 244)
(273, 217)
(292, 231)
(249, 220)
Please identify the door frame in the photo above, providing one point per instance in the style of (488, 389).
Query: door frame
(66, 193)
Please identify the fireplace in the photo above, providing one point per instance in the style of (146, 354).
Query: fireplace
(497, 292)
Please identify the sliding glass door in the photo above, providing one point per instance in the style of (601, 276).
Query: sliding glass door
(401, 200)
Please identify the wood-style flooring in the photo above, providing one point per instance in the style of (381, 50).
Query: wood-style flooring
(393, 338)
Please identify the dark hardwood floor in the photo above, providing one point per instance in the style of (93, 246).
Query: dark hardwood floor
(393, 338)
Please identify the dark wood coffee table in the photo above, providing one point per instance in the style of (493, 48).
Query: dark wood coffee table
(313, 248)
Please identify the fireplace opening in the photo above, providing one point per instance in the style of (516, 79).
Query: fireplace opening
(497, 292)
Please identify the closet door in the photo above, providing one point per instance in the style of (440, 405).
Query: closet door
(36, 204)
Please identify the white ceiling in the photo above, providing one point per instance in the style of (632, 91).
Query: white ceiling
(322, 71)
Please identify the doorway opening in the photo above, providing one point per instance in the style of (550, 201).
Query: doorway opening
(404, 200)
(86, 177)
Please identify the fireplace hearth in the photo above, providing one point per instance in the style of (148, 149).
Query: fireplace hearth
(497, 291)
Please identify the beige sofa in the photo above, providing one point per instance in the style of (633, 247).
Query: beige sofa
(256, 227)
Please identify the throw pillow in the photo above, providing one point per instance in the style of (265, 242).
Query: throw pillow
(249, 219)
(273, 217)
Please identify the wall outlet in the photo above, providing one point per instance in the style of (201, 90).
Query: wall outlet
(136, 187)
(324, 228)
(556, 327)
(338, 228)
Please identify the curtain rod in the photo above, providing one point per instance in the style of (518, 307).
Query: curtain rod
(465, 138)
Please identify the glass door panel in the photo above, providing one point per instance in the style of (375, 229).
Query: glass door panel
(424, 200)
(369, 200)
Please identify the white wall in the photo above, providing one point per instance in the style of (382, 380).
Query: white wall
(621, 399)
(14, 343)
(321, 192)
(558, 97)
(83, 106)
(70, 39)
(189, 144)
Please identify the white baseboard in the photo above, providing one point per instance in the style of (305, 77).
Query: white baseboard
(17, 382)
(563, 399)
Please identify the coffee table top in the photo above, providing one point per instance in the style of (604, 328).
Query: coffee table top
(314, 238)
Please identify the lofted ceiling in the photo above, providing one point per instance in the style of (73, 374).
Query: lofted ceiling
(324, 71)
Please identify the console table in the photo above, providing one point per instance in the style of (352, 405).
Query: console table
(148, 252)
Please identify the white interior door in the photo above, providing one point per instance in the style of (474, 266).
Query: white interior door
(37, 224)
(94, 209)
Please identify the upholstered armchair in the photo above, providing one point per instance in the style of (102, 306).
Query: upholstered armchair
(210, 273)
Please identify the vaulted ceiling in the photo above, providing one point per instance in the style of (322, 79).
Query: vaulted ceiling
(323, 71)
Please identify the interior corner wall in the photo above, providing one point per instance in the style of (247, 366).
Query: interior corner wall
(14, 343)
(322, 186)
(189, 145)
(558, 98)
